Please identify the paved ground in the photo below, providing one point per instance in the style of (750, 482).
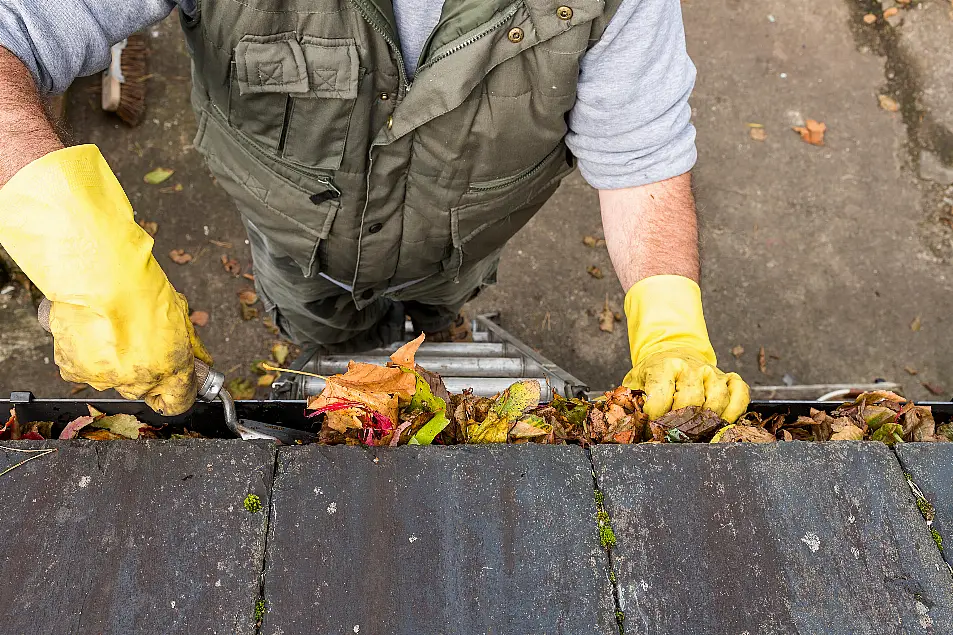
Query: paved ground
(823, 255)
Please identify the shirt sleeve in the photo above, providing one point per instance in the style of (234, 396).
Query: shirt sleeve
(631, 123)
(60, 40)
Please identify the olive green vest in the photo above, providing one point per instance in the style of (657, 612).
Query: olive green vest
(308, 120)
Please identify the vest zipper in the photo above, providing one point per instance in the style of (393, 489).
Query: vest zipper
(402, 72)
(473, 38)
(488, 186)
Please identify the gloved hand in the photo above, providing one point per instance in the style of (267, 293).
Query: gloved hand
(115, 318)
(672, 359)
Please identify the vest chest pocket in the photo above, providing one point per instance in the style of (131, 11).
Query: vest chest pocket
(294, 97)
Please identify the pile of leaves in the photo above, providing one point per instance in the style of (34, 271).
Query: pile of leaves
(97, 426)
(404, 404)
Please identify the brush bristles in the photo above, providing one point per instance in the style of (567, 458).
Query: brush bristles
(132, 94)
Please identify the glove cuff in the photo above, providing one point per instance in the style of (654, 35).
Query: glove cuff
(665, 313)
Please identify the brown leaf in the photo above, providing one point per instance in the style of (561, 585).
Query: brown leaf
(592, 241)
(823, 425)
(757, 134)
(151, 227)
(743, 434)
(99, 435)
(695, 421)
(595, 272)
(915, 324)
(892, 11)
(171, 189)
(606, 318)
(404, 356)
(911, 370)
(247, 296)
(848, 433)
(870, 18)
(888, 103)
(762, 362)
(812, 132)
(231, 265)
(78, 388)
(248, 276)
(179, 256)
(918, 423)
(738, 351)
(199, 318)
(933, 388)
(221, 243)
(268, 324)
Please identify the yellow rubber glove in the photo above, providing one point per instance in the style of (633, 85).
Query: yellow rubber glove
(672, 359)
(115, 318)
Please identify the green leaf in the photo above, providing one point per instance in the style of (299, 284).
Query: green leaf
(123, 425)
(508, 407)
(889, 433)
(158, 176)
(425, 400)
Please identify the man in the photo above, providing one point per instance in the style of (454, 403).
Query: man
(381, 154)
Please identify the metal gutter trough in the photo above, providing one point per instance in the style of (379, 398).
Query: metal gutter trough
(229, 536)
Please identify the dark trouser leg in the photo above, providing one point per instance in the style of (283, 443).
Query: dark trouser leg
(315, 310)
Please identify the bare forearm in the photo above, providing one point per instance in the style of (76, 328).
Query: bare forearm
(651, 230)
(25, 132)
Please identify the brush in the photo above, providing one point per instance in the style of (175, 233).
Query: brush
(124, 86)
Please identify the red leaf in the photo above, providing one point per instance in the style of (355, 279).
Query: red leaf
(74, 426)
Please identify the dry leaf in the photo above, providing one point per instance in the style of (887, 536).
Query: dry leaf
(595, 272)
(199, 318)
(606, 318)
(888, 103)
(274, 330)
(735, 433)
(250, 313)
(592, 241)
(172, 188)
(870, 18)
(915, 325)
(151, 227)
(892, 11)
(280, 352)
(248, 276)
(618, 316)
(933, 388)
(404, 356)
(221, 243)
(812, 132)
(231, 265)
(911, 370)
(738, 351)
(758, 134)
(247, 296)
(241, 388)
(180, 257)
(762, 362)
(157, 176)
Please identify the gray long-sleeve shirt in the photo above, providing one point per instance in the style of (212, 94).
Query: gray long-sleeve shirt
(630, 125)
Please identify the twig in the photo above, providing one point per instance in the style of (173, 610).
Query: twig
(39, 454)
(268, 366)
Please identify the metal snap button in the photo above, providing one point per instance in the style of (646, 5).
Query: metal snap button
(564, 13)
(376, 227)
(390, 123)
(385, 96)
(515, 35)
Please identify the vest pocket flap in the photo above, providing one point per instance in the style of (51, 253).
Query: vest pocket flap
(332, 66)
(271, 64)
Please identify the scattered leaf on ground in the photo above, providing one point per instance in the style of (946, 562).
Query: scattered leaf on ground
(933, 388)
(618, 316)
(240, 388)
(888, 103)
(762, 361)
(595, 272)
(247, 296)
(911, 370)
(892, 11)
(738, 351)
(248, 276)
(250, 313)
(221, 243)
(812, 132)
(171, 189)
(870, 18)
(158, 175)
(915, 324)
(592, 241)
(280, 352)
(180, 257)
(269, 325)
(758, 134)
(231, 265)
(199, 318)
(151, 227)
(606, 318)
